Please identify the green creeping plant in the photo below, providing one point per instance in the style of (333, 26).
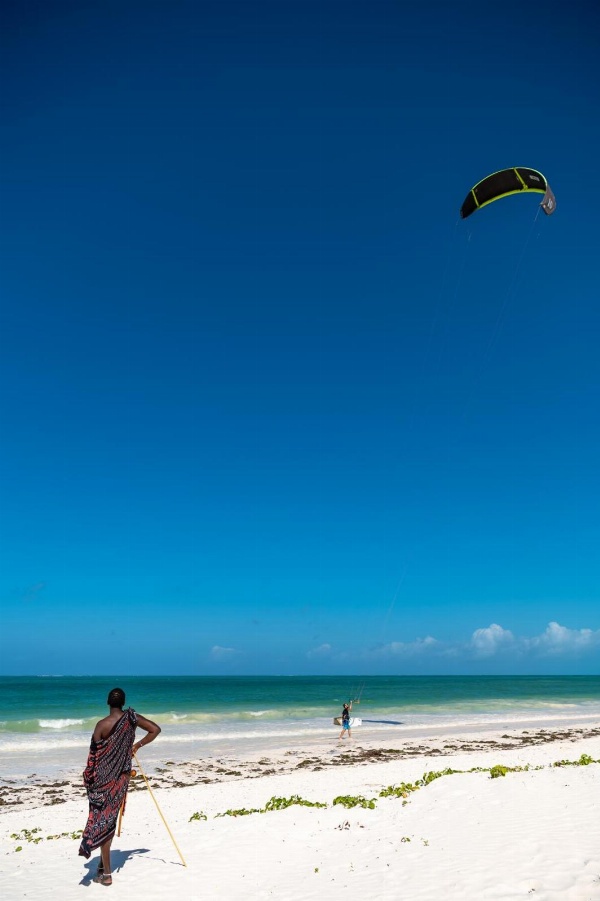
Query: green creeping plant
(405, 788)
(281, 803)
(584, 760)
(28, 835)
(31, 835)
(241, 812)
(499, 770)
(398, 791)
(348, 801)
(273, 803)
(429, 777)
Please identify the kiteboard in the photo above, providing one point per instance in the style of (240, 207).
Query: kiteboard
(354, 721)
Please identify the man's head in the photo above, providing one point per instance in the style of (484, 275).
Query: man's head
(116, 697)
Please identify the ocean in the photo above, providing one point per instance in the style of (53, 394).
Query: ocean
(46, 721)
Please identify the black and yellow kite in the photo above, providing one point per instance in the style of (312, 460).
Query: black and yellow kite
(503, 184)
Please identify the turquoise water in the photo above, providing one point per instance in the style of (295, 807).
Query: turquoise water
(46, 721)
(57, 705)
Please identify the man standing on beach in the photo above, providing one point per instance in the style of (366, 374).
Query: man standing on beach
(346, 720)
(106, 776)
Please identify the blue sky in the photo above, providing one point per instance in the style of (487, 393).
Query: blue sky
(267, 404)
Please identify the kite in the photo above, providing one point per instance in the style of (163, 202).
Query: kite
(507, 182)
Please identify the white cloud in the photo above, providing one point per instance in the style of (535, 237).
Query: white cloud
(494, 640)
(487, 642)
(557, 639)
(324, 650)
(219, 653)
(409, 648)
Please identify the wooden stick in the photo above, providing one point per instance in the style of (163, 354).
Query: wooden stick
(120, 817)
(160, 811)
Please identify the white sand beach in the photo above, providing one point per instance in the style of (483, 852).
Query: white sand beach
(531, 833)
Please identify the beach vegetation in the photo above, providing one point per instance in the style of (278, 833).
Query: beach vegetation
(281, 803)
(584, 760)
(348, 801)
(76, 834)
(398, 791)
(405, 788)
(28, 835)
(240, 812)
(273, 803)
(500, 770)
(34, 837)
(429, 777)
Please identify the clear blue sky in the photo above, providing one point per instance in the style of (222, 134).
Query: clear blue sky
(267, 404)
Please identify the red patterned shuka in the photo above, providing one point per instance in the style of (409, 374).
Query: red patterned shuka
(106, 778)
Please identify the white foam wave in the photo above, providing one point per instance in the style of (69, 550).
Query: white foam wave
(59, 724)
(41, 745)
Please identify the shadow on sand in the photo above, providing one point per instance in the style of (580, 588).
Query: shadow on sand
(385, 722)
(118, 860)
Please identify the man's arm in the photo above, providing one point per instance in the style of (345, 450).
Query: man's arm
(152, 730)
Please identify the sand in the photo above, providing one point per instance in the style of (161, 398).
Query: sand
(528, 834)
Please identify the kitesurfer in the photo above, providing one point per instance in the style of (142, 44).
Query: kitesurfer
(346, 720)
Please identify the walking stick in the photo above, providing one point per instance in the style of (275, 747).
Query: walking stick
(120, 818)
(159, 810)
(122, 808)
